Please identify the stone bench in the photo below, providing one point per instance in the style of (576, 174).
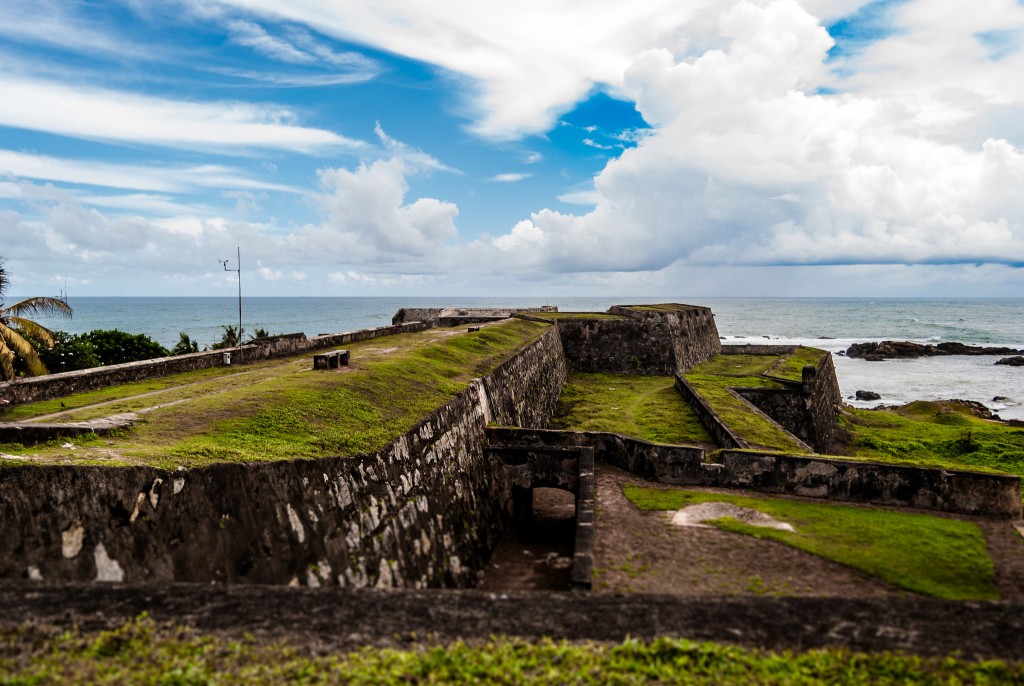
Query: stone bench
(332, 360)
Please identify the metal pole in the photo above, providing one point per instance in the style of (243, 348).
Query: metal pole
(239, 304)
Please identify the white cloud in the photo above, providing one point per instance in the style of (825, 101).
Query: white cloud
(299, 48)
(103, 114)
(268, 274)
(739, 134)
(366, 213)
(510, 177)
(57, 24)
(526, 65)
(155, 177)
(590, 142)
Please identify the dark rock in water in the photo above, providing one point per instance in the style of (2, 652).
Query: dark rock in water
(1000, 399)
(907, 350)
(1016, 361)
(868, 395)
(952, 348)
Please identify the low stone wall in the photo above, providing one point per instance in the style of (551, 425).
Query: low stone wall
(807, 409)
(351, 619)
(722, 435)
(421, 512)
(972, 493)
(33, 389)
(671, 464)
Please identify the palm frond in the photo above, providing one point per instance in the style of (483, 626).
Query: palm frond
(16, 346)
(27, 327)
(39, 305)
(6, 362)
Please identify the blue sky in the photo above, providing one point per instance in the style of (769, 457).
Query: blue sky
(654, 148)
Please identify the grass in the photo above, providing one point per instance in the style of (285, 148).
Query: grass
(737, 413)
(792, 367)
(935, 556)
(141, 651)
(713, 379)
(646, 407)
(934, 434)
(123, 391)
(737, 365)
(289, 411)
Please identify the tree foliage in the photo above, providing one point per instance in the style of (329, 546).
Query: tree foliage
(185, 345)
(116, 347)
(16, 329)
(69, 352)
(229, 339)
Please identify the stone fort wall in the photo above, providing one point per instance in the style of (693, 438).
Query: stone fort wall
(421, 512)
(657, 341)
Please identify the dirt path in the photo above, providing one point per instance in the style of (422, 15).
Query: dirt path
(642, 552)
(1006, 547)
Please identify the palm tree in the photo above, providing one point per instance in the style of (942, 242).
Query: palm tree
(14, 327)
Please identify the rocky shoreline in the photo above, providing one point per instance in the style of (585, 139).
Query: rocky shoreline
(885, 350)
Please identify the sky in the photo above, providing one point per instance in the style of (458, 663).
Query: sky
(663, 148)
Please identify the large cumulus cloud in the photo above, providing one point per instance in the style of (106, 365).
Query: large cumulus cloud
(751, 162)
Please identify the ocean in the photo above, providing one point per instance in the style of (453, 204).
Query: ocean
(829, 323)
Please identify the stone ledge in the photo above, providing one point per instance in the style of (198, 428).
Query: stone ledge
(346, 619)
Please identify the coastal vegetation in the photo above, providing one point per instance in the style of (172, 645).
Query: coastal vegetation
(17, 354)
(144, 651)
(646, 407)
(96, 348)
(945, 434)
(281, 409)
(935, 556)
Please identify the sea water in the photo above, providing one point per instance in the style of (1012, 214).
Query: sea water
(829, 323)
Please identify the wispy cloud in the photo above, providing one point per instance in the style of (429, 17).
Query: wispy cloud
(59, 25)
(156, 178)
(298, 48)
(101, 114)
(510, 177)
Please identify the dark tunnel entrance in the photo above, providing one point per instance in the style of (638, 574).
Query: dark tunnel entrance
(537, 554)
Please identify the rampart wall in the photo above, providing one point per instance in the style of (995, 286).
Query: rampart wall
(657, 342)
(807, 409)
(421, 512)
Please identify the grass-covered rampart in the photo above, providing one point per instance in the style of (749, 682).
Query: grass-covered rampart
(144, 652)
(713, 379)
(285, 409)
(936, 556)
(646, 407)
